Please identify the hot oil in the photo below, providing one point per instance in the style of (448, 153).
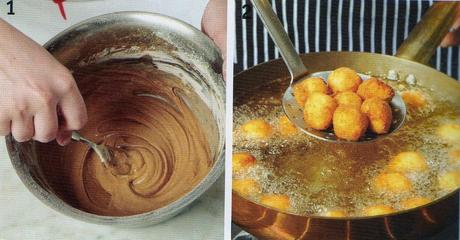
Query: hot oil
(319, 176)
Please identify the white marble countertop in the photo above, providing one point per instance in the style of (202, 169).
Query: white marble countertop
(24, 217)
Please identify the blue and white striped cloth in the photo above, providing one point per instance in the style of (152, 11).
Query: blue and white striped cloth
(378, 26)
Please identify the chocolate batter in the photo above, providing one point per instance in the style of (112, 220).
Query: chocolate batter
(160, 149)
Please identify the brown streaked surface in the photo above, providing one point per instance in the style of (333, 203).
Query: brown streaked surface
(147, 118)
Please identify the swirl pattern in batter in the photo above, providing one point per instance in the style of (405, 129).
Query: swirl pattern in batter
(160, 149)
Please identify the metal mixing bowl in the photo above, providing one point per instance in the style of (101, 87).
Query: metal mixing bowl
(175, 47)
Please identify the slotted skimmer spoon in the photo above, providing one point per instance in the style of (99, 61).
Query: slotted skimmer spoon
(299, 72)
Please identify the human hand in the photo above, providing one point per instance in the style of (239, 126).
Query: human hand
(34, 87)
(214, 24)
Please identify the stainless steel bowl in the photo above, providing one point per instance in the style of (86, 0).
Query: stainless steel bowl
(173, 45)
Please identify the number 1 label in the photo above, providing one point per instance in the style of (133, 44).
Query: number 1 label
(10, 4)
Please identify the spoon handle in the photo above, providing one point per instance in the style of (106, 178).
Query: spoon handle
(79, 138)
(280, 38)
(103, 153)
(76, 136)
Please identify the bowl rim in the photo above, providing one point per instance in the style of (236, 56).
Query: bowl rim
(148, 218)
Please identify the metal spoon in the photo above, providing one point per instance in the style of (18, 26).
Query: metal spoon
(299, 72)
(102, 152)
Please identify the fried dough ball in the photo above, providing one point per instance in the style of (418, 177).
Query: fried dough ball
(349, 99)
(454, 156)
(374, 87)
(450, 132)
(408, 162)
(308, 86)
(241, 161)
(286, 127)
(449, 181)
(300, 94)
(349, 123)
(246, 187)
(377, 210)
(414, 99)
(335, 213)
(257, 128)
(379, 114)
(319, 110)
(392, 183)
(344, 79)
(278, 201)
(414, 202)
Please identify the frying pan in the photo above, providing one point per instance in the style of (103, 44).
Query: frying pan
(411, 58)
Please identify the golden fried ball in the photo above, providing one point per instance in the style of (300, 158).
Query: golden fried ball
(449, 181)
(246, 187)
(414, 98)
(374, 87)
(335, 213)
(319, 110)
(300, 94)
(414, 202)
(308, 86)
(408, 162)
(349, 99)
(450, 132)
(392, 183)
(379, 114)
(241, 161)
(286, 127)
(257, 128)
(344, 79)
(377, 210)
(277, 201)
(454, 156)
(349, 123)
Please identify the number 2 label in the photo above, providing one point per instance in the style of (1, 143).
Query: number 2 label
(248, 13)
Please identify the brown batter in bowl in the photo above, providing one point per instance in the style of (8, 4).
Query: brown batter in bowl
(155, 95)
(159, 147)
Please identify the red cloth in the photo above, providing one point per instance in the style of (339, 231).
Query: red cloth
(60, 4)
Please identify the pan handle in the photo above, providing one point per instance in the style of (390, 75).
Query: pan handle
(280, 38)
(426, 36)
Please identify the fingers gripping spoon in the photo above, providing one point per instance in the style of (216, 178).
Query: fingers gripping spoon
(299, 72)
